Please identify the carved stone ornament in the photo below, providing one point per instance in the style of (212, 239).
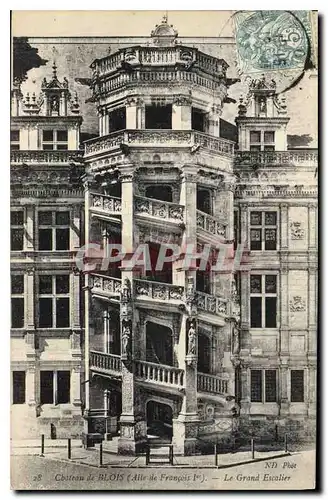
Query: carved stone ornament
(297, 231)
(192, 341)
(297, 303)
(126, 339)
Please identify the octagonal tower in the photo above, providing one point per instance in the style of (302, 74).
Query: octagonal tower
(159, 173)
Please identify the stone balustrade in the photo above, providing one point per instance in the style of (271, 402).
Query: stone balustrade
(291, 157)
(210, 224)
(105, 203)
(158, 291)
(157, 208)
(211, 303)
(106, 284)
(105, 362)
(160, 374)
(212, 383)
(41, 156)
(154, 138)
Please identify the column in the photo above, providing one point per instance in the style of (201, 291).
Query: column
(312, 230)
(229, 189)
(312, 373)
(75, 229)
(181, 113)
(312, 310)
(245, 338)
(29, 299)
(75, 299)
(106, 330)
(87, 300)
(30, 381)
(132, 117)
(133, 426)
(284, 389)
(245, 387)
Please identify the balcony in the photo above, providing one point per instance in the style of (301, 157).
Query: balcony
(159, 292)
(107, 364)
(210, 224)
(292, 157)
(66, 157)
(157, 138)
(159, 374)
(212, 383)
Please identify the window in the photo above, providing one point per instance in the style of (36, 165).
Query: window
(158, 116)
(55, 387)
(54, 140)
(197, 120)
(17, 230)
(261, 140)
(18, 388)
(263, 230)
(14, 139)
(54, 230)
(17, 301)
(117, 119)
(204, 200)
(54, 301)
(263, 298)
(297, 386)
(263, 386)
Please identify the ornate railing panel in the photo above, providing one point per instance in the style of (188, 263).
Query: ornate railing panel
(214, 143)
(211, 303)
(296, 157)
(105, 362)
(212, 383)
(108, 204)
(22, 156)
(210, 224)
(106, 284)
(161, 374)
(156, 208)
(158, 291)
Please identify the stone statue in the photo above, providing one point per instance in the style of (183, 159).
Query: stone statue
(126, 333)
(192, 348)
(126, 291)
(235, 338)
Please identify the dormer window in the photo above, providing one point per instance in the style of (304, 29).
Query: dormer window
(54, 140)
(262, 140)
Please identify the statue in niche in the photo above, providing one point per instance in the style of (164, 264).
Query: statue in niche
(192, 346)
(55, 105)
(235, 338)
(126, 291)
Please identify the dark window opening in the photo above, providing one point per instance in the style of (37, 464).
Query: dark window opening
(17, 283)
(18, 388)
(48, 135)
(256, 239)
(14, 135)
(164, 274)
(270, 386)
(45, 313)
(197, 120)
(62, 239)
(158, 192)
(45, 239)
(204, 201)
(204, 354)
(203, 281)
(62, 312)
(16, 239)
(62, 135)
(270, 312)
(62, 284)
(256, 386)
(159, 347)
(117, 119)
(159, 117)
(297, 386)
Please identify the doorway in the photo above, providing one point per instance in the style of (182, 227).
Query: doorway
(159, 420)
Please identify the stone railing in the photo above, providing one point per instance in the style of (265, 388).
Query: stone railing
(153, 138)
(157, 208)
(22, 156)
(292, 157)
(105, 362)
(210, 224)
(211, 303)
(158, 291)
(159, 56)
(212, 383)
(103, 202)
(160, 374)
(106, 284)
